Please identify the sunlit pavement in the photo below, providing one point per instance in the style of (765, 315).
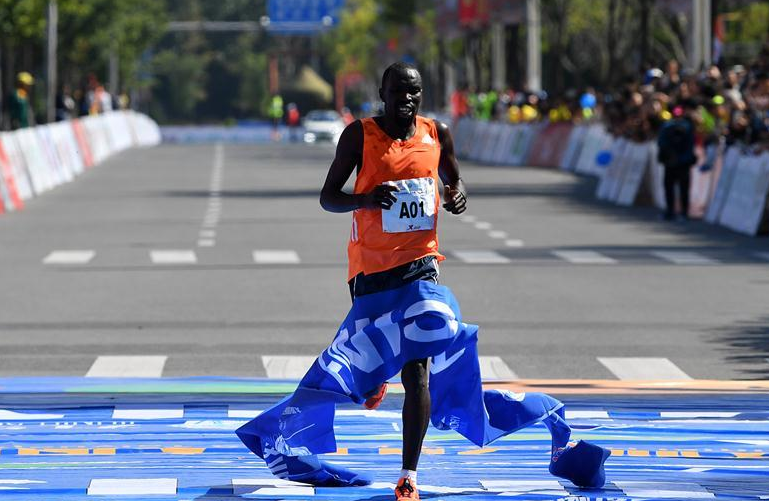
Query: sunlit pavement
(71, 438)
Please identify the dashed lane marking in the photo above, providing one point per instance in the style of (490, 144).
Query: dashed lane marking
(127, 366)
(483, 225)
(514, 242)
(643, 368)
(286, 367)
(173, 257)
(480, 257)
(69, 257)
(495, 368)
(498, 234)
(583, 257)
(124, 486)
(684, 257)
(276, 257)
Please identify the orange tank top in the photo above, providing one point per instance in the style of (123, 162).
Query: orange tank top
(383, 239)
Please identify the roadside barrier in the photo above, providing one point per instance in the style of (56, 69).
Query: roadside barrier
(729, 185)
(37, 159)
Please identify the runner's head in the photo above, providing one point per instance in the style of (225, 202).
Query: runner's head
(401, 92)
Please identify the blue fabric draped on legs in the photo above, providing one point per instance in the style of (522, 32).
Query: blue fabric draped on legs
(383, 331)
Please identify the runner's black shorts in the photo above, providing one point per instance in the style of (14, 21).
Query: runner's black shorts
(425, 268)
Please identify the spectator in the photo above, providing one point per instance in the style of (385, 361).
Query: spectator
(676, 154)
(65, 104)
(19, 107)
(293, 121)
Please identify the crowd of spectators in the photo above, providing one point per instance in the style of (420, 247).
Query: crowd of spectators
(730, 103)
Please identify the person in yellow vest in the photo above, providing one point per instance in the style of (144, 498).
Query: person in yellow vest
(19, 107)
(399, 158)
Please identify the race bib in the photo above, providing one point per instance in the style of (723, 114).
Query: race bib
(414, 207)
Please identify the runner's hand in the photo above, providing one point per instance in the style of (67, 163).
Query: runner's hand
(455, 200)
(380, 197)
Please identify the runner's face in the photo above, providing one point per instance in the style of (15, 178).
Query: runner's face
(402, 95)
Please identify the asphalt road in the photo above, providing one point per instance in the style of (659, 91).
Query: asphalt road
(210, 309)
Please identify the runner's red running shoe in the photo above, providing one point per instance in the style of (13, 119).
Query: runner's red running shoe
(374, 400)
(406, 490)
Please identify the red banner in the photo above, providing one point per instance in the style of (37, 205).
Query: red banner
(9, 181)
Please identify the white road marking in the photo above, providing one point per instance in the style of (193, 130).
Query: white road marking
(483, 225)
(270, 487)
(684, 257)
(10, 481)
(480, 256)
(176, 412)
(468, 219)
(286, 367)
(696, 414)
(206, 243)
(587, 414)
(514, 243)
(538, 487)
(20, 416)
(495, 368)
(69, 257)
(127, 366)
(276, 257)
(663, 490)
(141, 486)
(584, 257)
(643, 368)
(173, 257)
(498, 234)
(207, 233)
(236, 413)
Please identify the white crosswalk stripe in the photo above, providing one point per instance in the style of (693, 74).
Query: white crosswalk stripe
(684, 257)
(69, 257)
(127, 366)
(286, 367)
(276, 257)
(480, 257)
(583, 257)
(643, 368)
(495, 368)
(173, 257)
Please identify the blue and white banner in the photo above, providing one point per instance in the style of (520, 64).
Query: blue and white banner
(382, 332)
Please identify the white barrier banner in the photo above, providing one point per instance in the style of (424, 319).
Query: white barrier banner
(724, 174)
(746, 203)
(18, 165)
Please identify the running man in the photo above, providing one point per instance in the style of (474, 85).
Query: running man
(398, 158)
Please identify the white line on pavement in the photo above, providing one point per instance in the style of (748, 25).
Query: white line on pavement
(480, 256)
(127, 366)
(684, 257)
(207, 233)
(137, 413)
(69, 257)
(173, 257)
(495, 368)
(483, 225)
(497, 234)
(663, 490)
(276, 257)
(584, 257)
(643, 368)
(468, 219)
(514, 243)
(141, 486)
(286, 367)
(206, 242)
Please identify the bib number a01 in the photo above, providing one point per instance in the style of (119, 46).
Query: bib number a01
(414, 207)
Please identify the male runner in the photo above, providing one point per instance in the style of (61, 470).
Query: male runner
(398, 158)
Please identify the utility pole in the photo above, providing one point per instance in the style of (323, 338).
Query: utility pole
(498, 76)
(533, 46)
(702, 34)
(52, 39)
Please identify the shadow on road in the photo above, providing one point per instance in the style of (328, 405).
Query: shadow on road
(746, 343)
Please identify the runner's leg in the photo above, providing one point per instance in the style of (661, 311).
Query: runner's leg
(416, 411)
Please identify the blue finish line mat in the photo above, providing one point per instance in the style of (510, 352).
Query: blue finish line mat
(667, 444)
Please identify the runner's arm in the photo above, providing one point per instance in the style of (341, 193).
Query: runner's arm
(349, 153)
(455, 194)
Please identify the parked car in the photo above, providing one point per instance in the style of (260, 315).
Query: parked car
(322, 125)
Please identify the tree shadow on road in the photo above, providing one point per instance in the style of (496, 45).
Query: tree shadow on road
(746, 343)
